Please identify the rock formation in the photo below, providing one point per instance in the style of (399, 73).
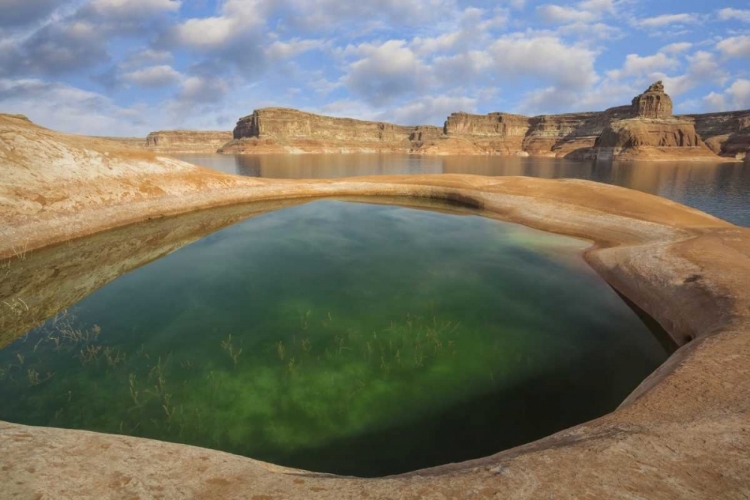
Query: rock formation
(653, 103)
(644, 129)
(186, 141)
(726, 134)
(651, 132)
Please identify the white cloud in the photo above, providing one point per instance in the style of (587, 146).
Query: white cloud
(144, 57)
(203, 89)
(667, 19)
(462, 68)
(237, 19)
(636, 65)
(440, 43)
(544, 57)
(207, 33)
(586, 11)
(737, 96)
(153, 76)
(702, 69)
(384, 71)
(674, 48)
(133, 8)
(16, 13)
(64, 107)
(740, 15)
(558, 14)
(430, 110)
(737, 46)
(286, 50)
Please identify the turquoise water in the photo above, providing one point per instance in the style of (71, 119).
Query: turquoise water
(340, 337)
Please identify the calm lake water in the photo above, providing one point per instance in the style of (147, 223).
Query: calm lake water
(722, 189)
(340, 337)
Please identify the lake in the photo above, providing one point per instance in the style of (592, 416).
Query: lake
(721, 189)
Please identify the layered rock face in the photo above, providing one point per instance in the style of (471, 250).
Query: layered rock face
(290, 130)
(645, 128)
(187, 141)
(653, 103)
(651, 132)
(726, 134)
(285, 123)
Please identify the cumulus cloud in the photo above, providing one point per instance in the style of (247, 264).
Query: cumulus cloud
(666, 20)
(563, 14)
(636, 65)
(145, 57)
(430, 110)
(674, 48)
(737, 96)
(129, 9)
(55, 49)
(702, 68)
(19, 13)
(739, 14)
(64, 107)
(383, 72)
(463, 67)
(153, 76)
(327, 15)
(523, 56)
(286, 50)
(736, 46)
(203, 89)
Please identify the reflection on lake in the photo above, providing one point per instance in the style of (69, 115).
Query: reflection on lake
(721, 189)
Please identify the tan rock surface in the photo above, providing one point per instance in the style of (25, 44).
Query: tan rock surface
(684, 433)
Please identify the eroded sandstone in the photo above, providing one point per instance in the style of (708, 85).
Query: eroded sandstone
(647, 122)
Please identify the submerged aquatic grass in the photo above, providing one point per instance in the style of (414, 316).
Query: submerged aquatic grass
(342, 338)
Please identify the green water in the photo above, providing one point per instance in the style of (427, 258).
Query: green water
(340, 337)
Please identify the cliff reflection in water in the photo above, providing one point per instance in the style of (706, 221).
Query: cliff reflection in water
(719, 189)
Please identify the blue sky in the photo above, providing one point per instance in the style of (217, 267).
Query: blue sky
(127, 67)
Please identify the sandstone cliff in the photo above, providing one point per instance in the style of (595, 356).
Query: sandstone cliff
(186, 141)
(726, 134)
(651, 132)
(643, 129)
(292, 131)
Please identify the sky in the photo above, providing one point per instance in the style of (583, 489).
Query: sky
(128, 67)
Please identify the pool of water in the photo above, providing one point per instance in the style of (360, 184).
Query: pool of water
(721, 189)
(340, 337)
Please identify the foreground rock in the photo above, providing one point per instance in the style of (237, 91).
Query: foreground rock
(682, 434)
(645, 129)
